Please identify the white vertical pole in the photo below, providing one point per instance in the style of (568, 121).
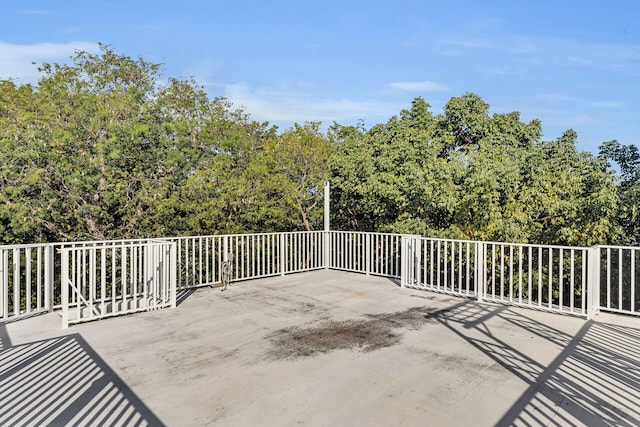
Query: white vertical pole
(593, 282)
(4, 284)
(416, 258)
(283, 254)
(64, 284)
(327, 225)
(173, 262)
(326, 206)
(368, 253)
(27, 300)
(480, 270)
(16, 281)
(404, 256)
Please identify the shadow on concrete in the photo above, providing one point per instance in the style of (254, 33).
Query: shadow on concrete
(594, 380)
(5, 341)
(63, 381)
(183, 294)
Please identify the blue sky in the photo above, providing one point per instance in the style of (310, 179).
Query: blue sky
(570, 64)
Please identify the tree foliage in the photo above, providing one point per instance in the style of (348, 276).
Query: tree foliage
(466, 174)
(105, 147)
(102, 149)
(627, 160)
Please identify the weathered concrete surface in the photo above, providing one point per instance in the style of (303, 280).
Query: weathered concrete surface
(323, 349)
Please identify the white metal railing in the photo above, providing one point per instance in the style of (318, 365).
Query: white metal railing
(441, 265)
(252, 256)
(367, 253)
(545, 277)
(619, 273)
(565, 279)
(553, 278)
(26, 272)
(112, 278)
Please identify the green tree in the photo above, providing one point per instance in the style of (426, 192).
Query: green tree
(298, 162)
(101, 149)
(627, 160)
(466, 174)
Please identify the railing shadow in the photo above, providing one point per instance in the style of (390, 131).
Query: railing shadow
(5, 341)
(594, 380)
(63, 381)
(183, 294)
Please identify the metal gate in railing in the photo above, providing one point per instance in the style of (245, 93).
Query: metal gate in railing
(106, 279)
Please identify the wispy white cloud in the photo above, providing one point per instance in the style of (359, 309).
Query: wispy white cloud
(18, 59)
(559, 99)
(202, 71)
(282, 104)
(607, 104)
(508, 70)
(422, 86)
(555, 97)
(461, 45)
(565, 119)
(541, 51)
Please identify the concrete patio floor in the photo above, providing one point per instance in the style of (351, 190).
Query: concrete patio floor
(324, 348)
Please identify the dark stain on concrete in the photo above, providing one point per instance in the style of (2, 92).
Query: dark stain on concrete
(373, 333)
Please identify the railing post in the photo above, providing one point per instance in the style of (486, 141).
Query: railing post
(367, 253)
(404, 260)
(417, 259)
(283, 254)
(593, 282)
(326, 236)
(64, 285)
(409, 260)
(480, 280)
(327, 227)
(16, 281)
(49, 276)
(173, 262)
(4, 284)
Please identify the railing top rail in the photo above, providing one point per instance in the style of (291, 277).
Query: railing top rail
(275, 233)
(634, 248)
(114, 241)
(532, 245)
(24, 246)
(137, 240)
(372, 233)
(117, 244)
(539, 245)
(449, 240)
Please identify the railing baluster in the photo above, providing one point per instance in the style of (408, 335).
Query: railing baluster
(502, 272)
(560, 279)
(530, 275)
(609, 273)
(468, 272)
(541, 264)
(16, 282)
(633, 279)
(438, 266)
(620, 280)
(550, 301)
(571, 281)
(520, 274)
